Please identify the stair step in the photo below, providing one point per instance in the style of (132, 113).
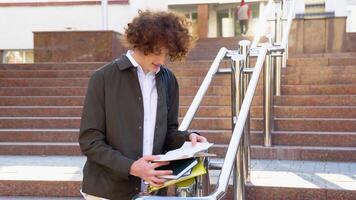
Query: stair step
(307, 111)
(74, 123)
(40, 148)
(39, 135)
(53, 66)
(319, 89)
(78, 100)
(44, 82)
(41, 100)
(73, 91)
(308, 124)
(299, 138)
(46, 73)
(321, 70)
(51, 176)
(40, 111)
(324, 79)
(344, 154)
(43, 91)
(39, 122)
(313, 100)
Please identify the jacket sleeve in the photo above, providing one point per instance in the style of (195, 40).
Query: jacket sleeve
(92, 136)
(174, 137)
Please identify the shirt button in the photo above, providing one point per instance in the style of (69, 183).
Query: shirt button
(139, 98)
(156, 127)
(140, 127)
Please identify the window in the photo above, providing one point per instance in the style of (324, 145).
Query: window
(17, 56)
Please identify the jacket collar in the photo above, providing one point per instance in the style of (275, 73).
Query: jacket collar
(123, 62)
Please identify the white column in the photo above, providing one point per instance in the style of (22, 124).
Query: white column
(104, 14)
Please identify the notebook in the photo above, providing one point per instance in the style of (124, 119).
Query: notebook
(179, 168)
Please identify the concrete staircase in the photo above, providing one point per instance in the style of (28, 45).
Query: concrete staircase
(40, 108)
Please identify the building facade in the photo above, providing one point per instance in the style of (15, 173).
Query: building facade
(210, 18)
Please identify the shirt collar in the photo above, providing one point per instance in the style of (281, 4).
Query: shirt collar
(134, 63)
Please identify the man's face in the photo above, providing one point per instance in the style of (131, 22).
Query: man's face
(153, 61)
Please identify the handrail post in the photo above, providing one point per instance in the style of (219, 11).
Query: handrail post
(278, 59)
(236, 101)
(244, 47)
(267, 99)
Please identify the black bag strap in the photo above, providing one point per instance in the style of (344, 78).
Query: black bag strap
(166, 77)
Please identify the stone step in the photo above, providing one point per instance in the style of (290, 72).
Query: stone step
(307, 111)
(344, 154)
(324, 70)
(39, 135)
(319, 89)
(83, 82)
(219, 123)
(46, 73)
(53, 66)
(81, 91)
(44, 82)
(76, 111)
(321, 61)
(66, 148)
(72, 91)
(39, 122)
(185, 71)
(40, 111)
(308, 124)
(203, 111)
(220, 80)
(313, 100)
(304, 138)
(40, 148)
(78, 100)
(95, 65)
(270, 179)
(42, 176)
(314, 80)
(41, 100)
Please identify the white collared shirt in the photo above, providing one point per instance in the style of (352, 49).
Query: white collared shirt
(149, 95)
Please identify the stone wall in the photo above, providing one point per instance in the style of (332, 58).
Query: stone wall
(77, 46)
(317, 35)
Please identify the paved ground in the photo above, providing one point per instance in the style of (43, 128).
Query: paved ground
(301, 174)
(304, 174)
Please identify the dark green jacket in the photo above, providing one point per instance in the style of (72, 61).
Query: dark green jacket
(111, 130)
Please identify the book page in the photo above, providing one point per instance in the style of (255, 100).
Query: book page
(187, 150)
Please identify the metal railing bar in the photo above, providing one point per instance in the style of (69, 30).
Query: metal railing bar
(284, 42)
(262, 25)
(202, 90)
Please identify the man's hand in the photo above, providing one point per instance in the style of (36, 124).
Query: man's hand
(194, 138)
(144, 169)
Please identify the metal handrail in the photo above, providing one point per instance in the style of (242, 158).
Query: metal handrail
(227, 167)
(284, 42)
(262, 25)
(202, 90)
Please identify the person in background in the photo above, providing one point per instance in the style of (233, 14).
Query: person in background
(243, 14)
(130, 111)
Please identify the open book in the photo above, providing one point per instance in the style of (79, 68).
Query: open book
(187, 150)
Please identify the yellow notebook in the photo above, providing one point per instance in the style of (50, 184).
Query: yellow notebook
(197, 170)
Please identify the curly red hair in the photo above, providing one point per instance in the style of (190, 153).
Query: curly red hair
(152, 31)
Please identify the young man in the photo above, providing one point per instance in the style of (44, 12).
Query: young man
(131, 110)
